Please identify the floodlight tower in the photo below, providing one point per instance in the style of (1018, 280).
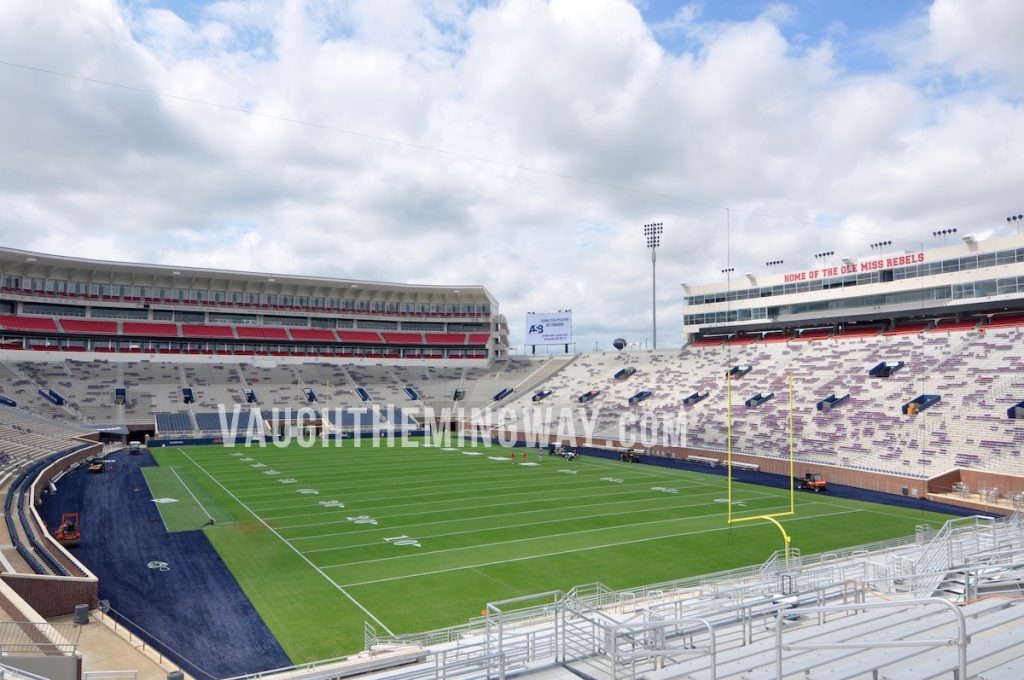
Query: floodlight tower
(1016, 220)
(653, 234)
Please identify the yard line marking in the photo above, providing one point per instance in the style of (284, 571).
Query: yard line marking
(568, 486)
(429, 500)
(501, 501)
(345, 484)
(514, 540)
(207, 512)
(656, 499)
(566, 552)
(417, 480)
(418, 483)
(341, 589)
(418, 525)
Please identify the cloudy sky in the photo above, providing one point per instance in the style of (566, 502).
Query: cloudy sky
(518, 144)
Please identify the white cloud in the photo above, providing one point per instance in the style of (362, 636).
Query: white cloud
(591, 127)
(978, 37)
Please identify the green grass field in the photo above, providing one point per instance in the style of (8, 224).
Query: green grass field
(416, 538)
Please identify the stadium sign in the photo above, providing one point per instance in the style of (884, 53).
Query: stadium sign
(871, 265)
(549, 328)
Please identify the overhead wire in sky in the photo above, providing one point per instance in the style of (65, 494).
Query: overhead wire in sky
(426, 148)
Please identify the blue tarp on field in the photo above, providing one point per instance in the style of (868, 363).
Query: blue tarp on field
(196, 607)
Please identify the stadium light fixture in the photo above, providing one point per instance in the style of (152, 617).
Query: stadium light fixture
(824, 255)
(1016, 220)
(652, 233)
(944, 233)
(880, 244)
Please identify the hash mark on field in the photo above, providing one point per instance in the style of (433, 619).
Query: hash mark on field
(305, 559)
(566, 552)
(649, 499)
(462, 520)
(477, 546)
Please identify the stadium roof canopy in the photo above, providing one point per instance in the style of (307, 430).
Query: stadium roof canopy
(27, 264)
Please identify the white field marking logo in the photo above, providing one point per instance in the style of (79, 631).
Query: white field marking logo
(565, 471)
(505, 458)
(530, 464)
(165, 500)
(613, 480)
(726, 500)
(247, 459)
(271, 472)
(332, 504)
(237, 454)
(362, 519)
(448, 448)
(289, 480)
(403, 540)
(159, 565)
(309, 492)
(472, 453)
(664, 489)
(258, 465)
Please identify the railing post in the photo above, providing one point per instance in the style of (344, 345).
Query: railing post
(778, 644)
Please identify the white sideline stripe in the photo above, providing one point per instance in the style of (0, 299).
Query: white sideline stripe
(341, 589)
(548, 511)
(560, 520)
(182, 481)
(573, 550)
(514, 540)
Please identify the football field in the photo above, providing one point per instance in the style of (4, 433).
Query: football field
(412, 538)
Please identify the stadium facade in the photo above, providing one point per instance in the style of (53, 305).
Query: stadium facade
(57, 303)
(964, 282)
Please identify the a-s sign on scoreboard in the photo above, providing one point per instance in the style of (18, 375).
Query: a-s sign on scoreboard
(549, 328)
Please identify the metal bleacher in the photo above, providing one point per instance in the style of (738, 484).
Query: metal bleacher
(867, 612)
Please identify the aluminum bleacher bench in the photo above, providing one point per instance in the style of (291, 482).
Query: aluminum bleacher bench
(757, 661)
(855, 663)
(941, 663)
(1011, 670)
(732, 662)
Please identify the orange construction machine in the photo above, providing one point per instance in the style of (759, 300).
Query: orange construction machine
(813, 481)
(67, 533)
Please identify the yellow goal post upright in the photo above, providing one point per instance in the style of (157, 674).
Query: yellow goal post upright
(770, 517)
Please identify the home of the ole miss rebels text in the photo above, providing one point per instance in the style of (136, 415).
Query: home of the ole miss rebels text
(855, 267)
